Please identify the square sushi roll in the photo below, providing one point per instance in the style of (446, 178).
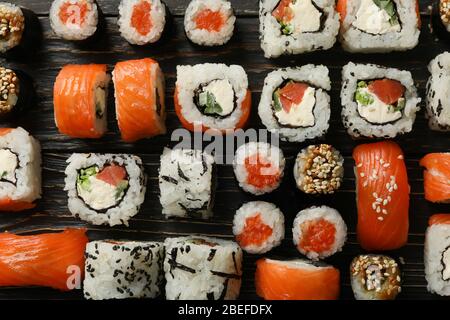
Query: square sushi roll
(202, 268)
(187, 183)
(377, 102)
(297, 26)
(120, 270)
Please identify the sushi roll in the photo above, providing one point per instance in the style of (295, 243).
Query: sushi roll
(436, 177)
(382, 196)
(377, 102)
(74, 19)
(444, 13)
(202, 268)
(259, 167)
(139, 89)
(209, 22)
(295, 103)
(141, 21)
(437, 254)
(319, 232)
(379, 26)
(20, 170)
(123, 269)
(17, 92)
(297, 26)
(212, 97)
(258, 226)
(80, 99)
(375, 277)
(319, 169)
(296, 280)
(187, 181)
(438, 92)
(105, 188)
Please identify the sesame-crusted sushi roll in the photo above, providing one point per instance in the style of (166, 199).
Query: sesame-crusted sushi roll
(123, 269)
(258, 226)
(105, 188)
(319, 169)
(259, 167)
(209, 22)
(16, 92)
(438, 92)
(377, 102)
(141, 21)
(444, 13)
(202, 268)
(295, 103)
(375, 277)
(187, 180)
(319, 232)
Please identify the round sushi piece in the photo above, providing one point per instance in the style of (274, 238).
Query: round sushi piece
(209, 22)
(105, 189)
(319, 169)
(141, 21)
(259, 167)
(375, 277)
(319, 232)
(377, 101)
(16, 92)
(295, 104)
(74, 19)
(444, 12)
(12, 26)
(258, 226)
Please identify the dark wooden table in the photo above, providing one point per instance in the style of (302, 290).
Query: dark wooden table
(244, 49)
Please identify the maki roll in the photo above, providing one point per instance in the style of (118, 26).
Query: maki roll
(187, 180)
(20, 170)
(436, 177)
(258, 226)
(16, 92)
(297, 26)
(295, 103)
(201, 268)
(123, 269)
(259, 167)
(141, 21)
(319, 169)
(379, 26)
(209, 22)
(79, 99)
(105, 188)
(444, 13)
(74, 19)
(438, 92)
(139, 89)
(377, 102)
(437, 254)
(319, 232)
(212, 97)
(375, 277)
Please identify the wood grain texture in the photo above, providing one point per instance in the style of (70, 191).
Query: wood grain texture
(52, 214)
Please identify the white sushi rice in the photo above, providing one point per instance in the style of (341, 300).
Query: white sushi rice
(270, 215)
(157, 16)
(28, 171)
(72, 29)
(437, 244)
(438, 93)
(15, 37)
(359, 127)
(205, 37)
(274, 43)
(270, 153)
(315, 213)
(316, 76)
(355, 40)
(120, 270)
(189, 78)
(201, 268)
(130, 203)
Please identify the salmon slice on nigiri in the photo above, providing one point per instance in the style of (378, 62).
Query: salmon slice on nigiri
(382, 196)
(436, 177)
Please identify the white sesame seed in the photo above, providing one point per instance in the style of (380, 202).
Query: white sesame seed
(380, 218)
(395, 186)
(375, 195)
(400, 157)
(385, 202)
(362, 174)
(359, 165)
(384, 211)
(378, 209)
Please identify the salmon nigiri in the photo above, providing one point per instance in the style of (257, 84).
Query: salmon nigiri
(382, 196)
(42, 260)
(436, 177)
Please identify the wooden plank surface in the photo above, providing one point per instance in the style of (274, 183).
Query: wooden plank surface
(244, 49)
